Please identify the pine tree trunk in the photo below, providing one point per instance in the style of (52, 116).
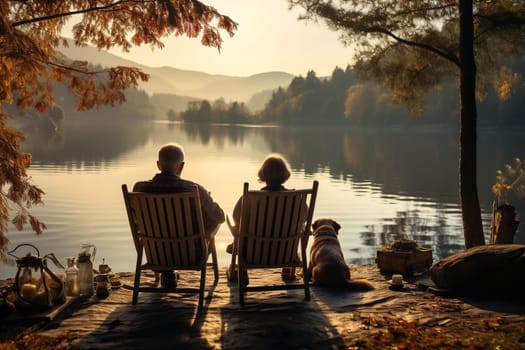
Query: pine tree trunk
(471, 213)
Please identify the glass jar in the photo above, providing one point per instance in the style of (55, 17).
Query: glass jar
(85, 269)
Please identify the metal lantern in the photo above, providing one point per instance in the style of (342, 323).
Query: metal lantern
(35, 284)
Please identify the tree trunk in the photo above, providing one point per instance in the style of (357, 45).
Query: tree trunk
(472, 227)
(504, 225)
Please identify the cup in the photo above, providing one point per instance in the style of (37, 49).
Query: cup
(397, 279)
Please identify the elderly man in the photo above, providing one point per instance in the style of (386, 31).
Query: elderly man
(170, 163)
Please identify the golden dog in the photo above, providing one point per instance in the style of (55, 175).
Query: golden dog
(327, 265)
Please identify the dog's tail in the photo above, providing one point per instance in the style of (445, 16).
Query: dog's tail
(360, 285)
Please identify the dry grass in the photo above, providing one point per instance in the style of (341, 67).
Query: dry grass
(391, 333)
(381, 333)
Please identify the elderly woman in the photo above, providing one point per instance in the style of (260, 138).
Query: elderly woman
(274, 172)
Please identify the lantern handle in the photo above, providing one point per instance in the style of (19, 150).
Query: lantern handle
(20, 245)
(54, 259)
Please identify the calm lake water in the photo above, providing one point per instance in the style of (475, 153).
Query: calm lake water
(378, 184)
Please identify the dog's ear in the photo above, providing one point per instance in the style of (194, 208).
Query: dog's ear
(315, 224)
(336, 226)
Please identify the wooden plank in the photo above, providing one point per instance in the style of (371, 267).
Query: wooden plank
(140, 209)
(153, 204)
(295, 232)
(171, 228)
(189, 230)
(278, 229)
(287, 219)
(27, 317)
(181, 244)
(161, 226)
(269, 230)
(252, 228)
(259, 228)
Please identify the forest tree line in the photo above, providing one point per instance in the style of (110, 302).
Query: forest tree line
(342, 99)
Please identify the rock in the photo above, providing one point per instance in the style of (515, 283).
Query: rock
(484, 269)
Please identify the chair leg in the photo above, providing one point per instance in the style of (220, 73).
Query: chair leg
(241, 283)
(306, 281)
(201, 289)
(230, 274)
(214, 262)
(306, 277)
(136, 283)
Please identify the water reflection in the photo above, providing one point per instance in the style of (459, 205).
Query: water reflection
(82, 141)
(399, 165)
(404, 161)
(430, 232)
(222, 134)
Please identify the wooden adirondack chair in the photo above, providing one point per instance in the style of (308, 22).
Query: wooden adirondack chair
(169, 229)
(273, 226)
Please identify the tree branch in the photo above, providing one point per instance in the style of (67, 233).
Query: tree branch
(64, 67)
(438, 52)
(66, 14)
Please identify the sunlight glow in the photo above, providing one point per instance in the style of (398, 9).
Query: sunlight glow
(269, 38)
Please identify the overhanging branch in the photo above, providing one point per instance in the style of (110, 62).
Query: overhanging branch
(360, 23)
(430, 48)
(73, 69)
(66, 14)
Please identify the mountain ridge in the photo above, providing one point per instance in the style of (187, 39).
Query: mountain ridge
(176, 81)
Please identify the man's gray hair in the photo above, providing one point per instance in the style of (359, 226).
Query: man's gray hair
(170, 156)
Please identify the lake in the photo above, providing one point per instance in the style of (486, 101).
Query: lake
(379, 185)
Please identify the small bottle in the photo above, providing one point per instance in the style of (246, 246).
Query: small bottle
(71, 278)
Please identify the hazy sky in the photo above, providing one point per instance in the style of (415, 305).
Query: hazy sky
(269, 38)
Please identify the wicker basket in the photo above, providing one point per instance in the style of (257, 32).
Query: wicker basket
(405, 262)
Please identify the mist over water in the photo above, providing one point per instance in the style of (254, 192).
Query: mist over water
(378, 184)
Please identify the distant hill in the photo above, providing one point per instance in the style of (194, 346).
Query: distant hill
(169, 80)
(242, 88)
(259, 100)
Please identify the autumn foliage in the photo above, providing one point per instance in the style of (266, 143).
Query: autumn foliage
(30, 65)
(510, 179)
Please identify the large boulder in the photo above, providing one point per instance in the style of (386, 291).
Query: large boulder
(487, 269)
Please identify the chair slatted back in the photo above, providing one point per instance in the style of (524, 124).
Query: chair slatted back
(272, 225)
(169, 227)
